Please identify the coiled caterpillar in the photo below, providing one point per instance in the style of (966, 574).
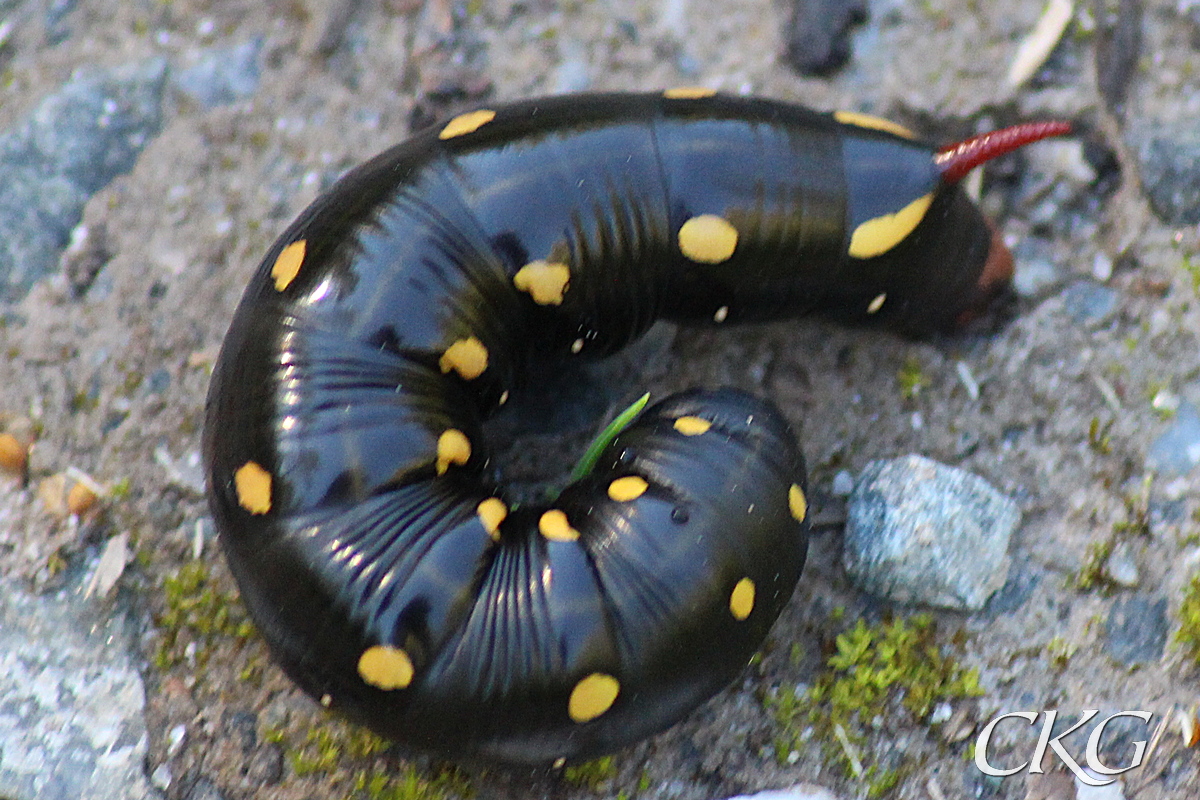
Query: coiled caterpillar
(345, 459)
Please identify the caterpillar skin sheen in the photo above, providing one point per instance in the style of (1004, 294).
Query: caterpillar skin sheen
(348, 473)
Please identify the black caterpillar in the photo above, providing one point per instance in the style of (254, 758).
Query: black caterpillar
(346, 466)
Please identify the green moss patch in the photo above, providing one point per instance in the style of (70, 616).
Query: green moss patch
(880, 679)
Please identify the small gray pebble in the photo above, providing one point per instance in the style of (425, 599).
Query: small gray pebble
(223, 76)
(1089, 302)
(71, 701)
(1170, 162)
(1136, 631)
(843, 483)
(203, 789)
(1177, 450)
(921, 532)
(801, 791)
(70, 146)
(264, 767)
(1121, 566)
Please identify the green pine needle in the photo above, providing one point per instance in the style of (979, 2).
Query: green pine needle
(602, 440)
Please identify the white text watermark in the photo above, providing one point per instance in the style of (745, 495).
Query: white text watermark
(1091, 754)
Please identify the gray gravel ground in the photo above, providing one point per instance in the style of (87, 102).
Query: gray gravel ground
(1085, 413)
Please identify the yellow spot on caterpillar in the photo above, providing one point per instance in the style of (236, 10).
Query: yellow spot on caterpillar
(876, 236)
(722, 314)
(554, 526)
(326, 701)
(287, 264)
(453, 447)
(692, 426)
(741, 600)
(631, 487)
(545, 281)
(860, 120)
(385, 667)
(492, 512)
(877, 303)
(592, 696)
(708, 239)
(689, 93)
(253, 486)
(577, 346)
(503, 397)
(468, 357)
(466, 123)
(797, 503)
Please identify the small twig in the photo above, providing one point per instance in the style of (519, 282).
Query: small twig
(79, 476)
(851, 754)
(1041, 41)
(830, 516)
(1155, 738)
(1107, 392)
(336, 22)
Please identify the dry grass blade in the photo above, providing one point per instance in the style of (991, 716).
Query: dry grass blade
(1037, 46)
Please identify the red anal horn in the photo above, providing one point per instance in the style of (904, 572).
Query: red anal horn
(956, 160)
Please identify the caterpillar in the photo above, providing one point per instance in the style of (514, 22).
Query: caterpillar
(348, 474)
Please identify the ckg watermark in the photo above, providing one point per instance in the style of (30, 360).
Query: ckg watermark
(1097, 772)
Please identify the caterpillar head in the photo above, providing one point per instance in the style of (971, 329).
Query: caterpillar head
(914, 232)
(955, 162)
